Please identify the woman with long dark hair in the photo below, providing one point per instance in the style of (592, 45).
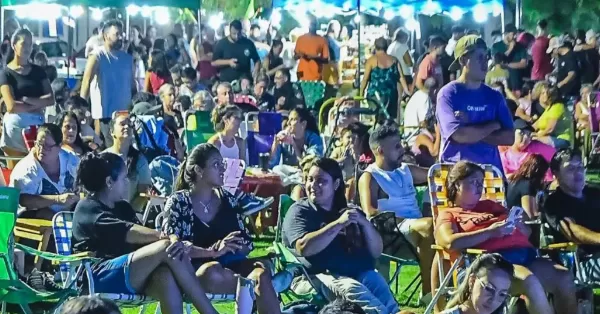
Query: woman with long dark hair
(208, 218)
(484, 289)
(273, 62)
(526, 183)
(300, 138)
(158, 73)
(336, 242)
(71, 128)
(26, 92)
(132, 259)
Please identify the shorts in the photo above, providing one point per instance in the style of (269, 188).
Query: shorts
(112, 276)
(519, 256)
(12, 128)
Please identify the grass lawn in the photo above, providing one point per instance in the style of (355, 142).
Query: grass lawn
(261, 246)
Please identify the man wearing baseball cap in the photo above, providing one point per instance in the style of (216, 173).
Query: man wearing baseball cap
(516, 56)
(473, 118)
(567, 80)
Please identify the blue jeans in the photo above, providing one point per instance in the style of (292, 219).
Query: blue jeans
(369, 290)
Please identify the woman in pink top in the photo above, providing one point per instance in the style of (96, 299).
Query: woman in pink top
(158, 74)
(482, 224)
(523, 147)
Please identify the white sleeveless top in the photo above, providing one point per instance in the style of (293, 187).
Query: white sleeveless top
(110, 89)
(232, 152)
(399, 187)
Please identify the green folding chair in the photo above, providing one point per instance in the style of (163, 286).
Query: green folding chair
(198, 129)
(13, 290)
(287, 260)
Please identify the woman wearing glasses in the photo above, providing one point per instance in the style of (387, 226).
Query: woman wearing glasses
(485, 287)
(207, 218)
(46, 176)
(483, 224)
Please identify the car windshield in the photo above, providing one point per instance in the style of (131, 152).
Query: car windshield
(54, 49)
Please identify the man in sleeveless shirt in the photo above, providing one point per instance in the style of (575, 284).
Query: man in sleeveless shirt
(108, 79)
(388, 186)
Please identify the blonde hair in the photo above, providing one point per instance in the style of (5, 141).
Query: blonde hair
(163, 89)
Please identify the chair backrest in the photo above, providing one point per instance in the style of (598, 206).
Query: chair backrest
(198, 129)
(233, 174)
(285, 202)
(313, 91)
(257, 144)
(493, 186)
(62, 228)
(9, 203)
(29, 135)
(269, 123)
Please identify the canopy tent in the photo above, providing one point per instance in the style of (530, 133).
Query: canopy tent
(191, 4)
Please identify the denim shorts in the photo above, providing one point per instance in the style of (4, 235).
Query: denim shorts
(112, 276)
(559, 143)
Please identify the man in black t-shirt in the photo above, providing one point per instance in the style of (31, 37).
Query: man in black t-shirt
(233, 55)
(573, 211)
(567, 69)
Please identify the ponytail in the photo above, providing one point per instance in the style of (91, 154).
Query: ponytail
(186, 176)
(180, 182)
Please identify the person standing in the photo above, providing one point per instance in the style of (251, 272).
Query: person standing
(95, 41)
(26, 92)
(457, 33)
(516, 56)
(542, 62)
(108, 79)
(399, 49)
(473, 118)
(148, 41)
(313, 52)
(567, 67)
(431, 67)
(234, 54)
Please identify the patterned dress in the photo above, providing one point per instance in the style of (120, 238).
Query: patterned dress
(384, 82)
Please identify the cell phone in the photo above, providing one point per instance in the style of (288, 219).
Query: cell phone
(514, 213)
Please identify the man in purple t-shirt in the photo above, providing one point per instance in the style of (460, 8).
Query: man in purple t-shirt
(473, 118)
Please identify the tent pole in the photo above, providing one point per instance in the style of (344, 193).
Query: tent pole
(199, 26)
(127, 24)
(2, 11)
(359, 31)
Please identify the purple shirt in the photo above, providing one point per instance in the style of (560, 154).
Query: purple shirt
(458, 107)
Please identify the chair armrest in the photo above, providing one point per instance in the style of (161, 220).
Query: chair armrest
(285, 255)
(75, 258)
(36, 223)
(567, 246)
(437, 247)
(467, 251)
(148, 196)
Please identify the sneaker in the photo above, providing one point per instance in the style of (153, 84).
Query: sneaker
(251, 204)
(42, 281)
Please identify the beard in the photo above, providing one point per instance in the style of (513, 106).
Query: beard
(117, 45)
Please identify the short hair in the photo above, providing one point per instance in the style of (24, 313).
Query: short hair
(381, 44)
(53, 130)
(542, 23)
(189, 73)
(254, 26)
(224, 85)
(110, 23)
(436, 41)
(236, 24)
(457, 29)
(40, 56)
(562, 156)
(379, 134)
(76, 102)
(341, 306)
(185, 101)
(89, 305)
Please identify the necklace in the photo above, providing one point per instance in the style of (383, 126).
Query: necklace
(207, 205)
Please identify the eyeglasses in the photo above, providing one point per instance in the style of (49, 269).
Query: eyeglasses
(491, 291)
(40, 145)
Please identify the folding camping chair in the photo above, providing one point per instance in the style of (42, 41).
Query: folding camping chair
(233, 174)
(493, 189)
(590, 143)
(262, 127)
(30, 135)
(198, 129)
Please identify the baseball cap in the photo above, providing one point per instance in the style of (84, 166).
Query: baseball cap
(463, 46)
(557, 42)
(145, 109)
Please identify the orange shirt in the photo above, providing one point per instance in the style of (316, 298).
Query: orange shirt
(482, 216)
(312, 46)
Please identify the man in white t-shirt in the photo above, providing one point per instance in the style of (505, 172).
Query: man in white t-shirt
(399, 49)
(416, 111)
(457, 33)
(96, 41)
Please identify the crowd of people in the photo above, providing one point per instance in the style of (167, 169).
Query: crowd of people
(521, 104)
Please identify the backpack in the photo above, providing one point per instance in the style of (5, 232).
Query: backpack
(150, 137)
(163, 172)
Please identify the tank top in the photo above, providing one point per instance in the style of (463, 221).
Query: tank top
(398, 185)
(232, 152)
(110, 89)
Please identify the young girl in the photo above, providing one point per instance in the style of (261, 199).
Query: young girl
(226, 120)
(485, 287)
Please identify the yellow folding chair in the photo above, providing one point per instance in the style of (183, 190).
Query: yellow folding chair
(493, 189)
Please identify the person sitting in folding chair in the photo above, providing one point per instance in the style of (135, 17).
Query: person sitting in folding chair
(336, 243)
(482, 224)
(207, 218)
(46, 176)
(133, 259)
(573, 212)
(226, 120)
(388, 186)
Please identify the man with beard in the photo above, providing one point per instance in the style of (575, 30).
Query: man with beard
(473, 117)
(108, 79)
(388, 186)
(234, 54)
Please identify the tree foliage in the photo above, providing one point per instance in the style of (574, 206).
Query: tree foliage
(232, 9)
(562, 15)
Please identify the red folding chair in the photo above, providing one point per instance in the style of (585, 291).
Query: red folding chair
(30, 135)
